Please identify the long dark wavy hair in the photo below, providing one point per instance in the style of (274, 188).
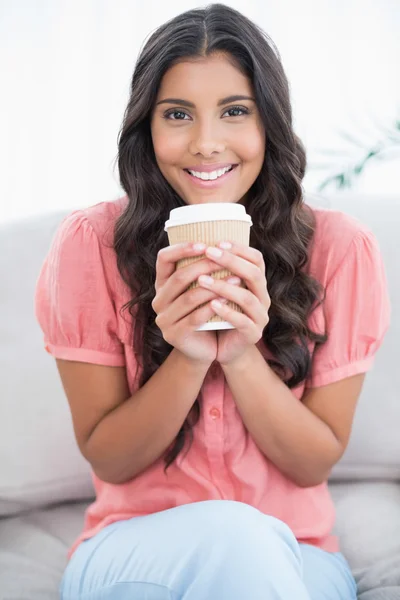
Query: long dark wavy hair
(283, 225)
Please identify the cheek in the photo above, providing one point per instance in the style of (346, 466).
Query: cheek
(167, 148)
(252, 147)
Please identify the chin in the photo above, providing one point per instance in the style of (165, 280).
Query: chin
(208, 201)
(207, 198)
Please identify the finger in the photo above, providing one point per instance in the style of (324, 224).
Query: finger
(240, 321)
(248, 271)
(180, 280)
(247, 252)
(195, 319)
(184, 306)
(169, 256)
(231, 291)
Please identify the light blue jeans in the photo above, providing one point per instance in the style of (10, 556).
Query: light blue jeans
(211, 550)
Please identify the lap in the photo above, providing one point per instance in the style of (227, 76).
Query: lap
(159, 556)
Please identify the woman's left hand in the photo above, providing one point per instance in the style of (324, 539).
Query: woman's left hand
(247, 265)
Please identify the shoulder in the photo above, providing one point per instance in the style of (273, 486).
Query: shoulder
(337, 236)
(85, 230)
(79, 290)
(83, 245)
(102, 217)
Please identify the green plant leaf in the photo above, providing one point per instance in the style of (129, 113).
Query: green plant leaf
(351, 139)
(345, 178)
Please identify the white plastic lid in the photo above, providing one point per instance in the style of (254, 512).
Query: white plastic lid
(214, 211)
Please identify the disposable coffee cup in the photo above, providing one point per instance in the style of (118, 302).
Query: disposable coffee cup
(209, 224)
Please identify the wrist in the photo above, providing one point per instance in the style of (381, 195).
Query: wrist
(192, 363)
(242, 362)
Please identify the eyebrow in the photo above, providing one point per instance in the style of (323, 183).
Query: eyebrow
(188, 104)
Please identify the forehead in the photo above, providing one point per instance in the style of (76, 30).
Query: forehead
(212, 76)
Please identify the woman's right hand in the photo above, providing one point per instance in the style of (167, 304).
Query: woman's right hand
(178, 312)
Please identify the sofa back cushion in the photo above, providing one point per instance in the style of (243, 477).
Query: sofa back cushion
(40, 461)
(374, 448)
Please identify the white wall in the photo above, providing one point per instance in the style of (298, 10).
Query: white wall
(65, 68)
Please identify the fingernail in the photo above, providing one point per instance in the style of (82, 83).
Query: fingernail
(233, 280)
(206, 280)
(216, 304)
(214, 252)
(197, 247)
(222, 300)
(225, 245)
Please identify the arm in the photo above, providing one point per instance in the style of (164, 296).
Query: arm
(304, 439)
(121, 436)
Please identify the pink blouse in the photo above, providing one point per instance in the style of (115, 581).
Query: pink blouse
(78, 299)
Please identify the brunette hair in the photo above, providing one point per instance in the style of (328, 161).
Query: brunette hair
(283, 225)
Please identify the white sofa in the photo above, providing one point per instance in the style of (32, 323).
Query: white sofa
(45, 484)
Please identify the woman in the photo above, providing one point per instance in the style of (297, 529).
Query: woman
(211, 450)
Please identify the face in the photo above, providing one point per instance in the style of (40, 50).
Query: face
(208, 137)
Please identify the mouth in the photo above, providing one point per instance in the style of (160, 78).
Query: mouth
(210, 178)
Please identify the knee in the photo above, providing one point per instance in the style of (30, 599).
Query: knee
(240, 523)
(230, 532)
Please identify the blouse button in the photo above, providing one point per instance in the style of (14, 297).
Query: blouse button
(215, 413)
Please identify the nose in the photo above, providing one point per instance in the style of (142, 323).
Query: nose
(206, 139)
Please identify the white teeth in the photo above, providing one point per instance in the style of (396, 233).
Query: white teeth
(211, 175)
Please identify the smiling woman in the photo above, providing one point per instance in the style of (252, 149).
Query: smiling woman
(266, 407)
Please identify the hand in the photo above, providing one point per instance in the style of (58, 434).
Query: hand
(247, 264)
(178, 312)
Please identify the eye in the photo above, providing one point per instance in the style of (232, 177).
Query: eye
(237, 111)
(178, 115)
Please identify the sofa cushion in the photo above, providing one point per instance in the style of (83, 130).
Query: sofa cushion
(33, 551)
(367, 522)
(33, 546)
(368, 526)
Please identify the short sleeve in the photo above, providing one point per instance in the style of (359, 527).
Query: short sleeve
(356, 312)
(73, 303)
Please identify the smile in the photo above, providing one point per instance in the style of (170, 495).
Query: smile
(211, 178)
(211, 174)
